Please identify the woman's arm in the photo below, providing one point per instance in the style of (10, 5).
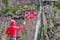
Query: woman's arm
(6, 31)
(21, 27)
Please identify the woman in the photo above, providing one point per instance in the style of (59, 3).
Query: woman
(11, 30)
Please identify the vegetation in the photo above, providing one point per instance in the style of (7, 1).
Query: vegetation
(6, 10)
(57, 5)
(21, 38)
(13, 10)
(5, 2)
(28, 7)
(41, 34)
(50, 29)
(51, 32)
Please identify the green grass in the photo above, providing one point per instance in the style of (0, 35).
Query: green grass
(6, 10)
(41, 35)
(57, 5)
(4, 2)
(50, 32)
(28, 7)
(13, 10)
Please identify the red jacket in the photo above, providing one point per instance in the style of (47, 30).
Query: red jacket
(11, 29)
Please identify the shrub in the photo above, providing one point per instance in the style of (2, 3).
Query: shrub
(13, 10)
(6, 10)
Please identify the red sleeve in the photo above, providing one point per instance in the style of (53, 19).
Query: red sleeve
(6, 31)
(21, 27)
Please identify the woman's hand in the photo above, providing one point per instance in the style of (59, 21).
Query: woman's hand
(24, 22)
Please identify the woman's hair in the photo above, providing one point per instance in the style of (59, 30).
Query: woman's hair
(12, 18)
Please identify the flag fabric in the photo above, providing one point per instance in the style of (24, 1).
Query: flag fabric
(29, 15)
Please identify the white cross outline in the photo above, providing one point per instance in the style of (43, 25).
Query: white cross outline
(28, 14)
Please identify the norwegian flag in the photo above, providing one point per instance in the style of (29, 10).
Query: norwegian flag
(29, 15)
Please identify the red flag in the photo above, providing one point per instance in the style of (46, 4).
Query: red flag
(29, 15)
